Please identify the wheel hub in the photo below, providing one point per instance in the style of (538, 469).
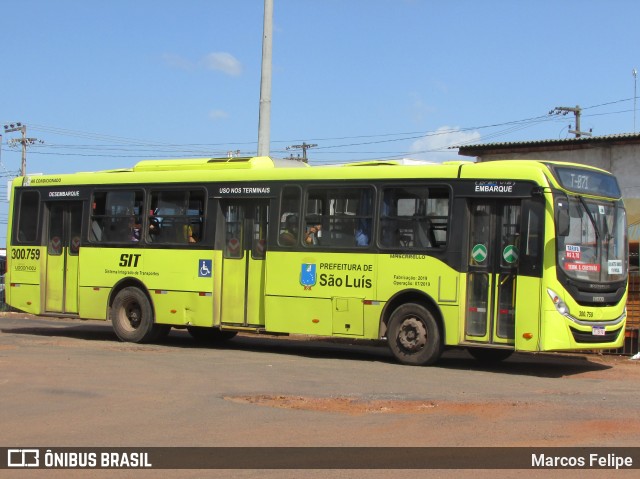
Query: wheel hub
(412, 334)
(133, 315)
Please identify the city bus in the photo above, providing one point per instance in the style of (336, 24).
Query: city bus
(493, 257)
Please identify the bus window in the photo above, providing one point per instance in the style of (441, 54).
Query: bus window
(260, 231)
(510, 234)
(195, 216)
(340, 217)
(480, 235)
(234, 231)
(28, 213)
(414, 217)
(176, 217)
(116, 216)
(288, 230)
(56, 230)
(530, 260)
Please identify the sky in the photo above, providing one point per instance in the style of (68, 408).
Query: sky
(104, 85)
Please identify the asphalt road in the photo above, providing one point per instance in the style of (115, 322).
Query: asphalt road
(72, 383)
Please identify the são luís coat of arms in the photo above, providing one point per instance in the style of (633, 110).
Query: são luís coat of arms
(308, 276)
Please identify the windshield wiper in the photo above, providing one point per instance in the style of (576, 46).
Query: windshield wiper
(593, 221)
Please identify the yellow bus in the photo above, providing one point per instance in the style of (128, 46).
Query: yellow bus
(494, 257)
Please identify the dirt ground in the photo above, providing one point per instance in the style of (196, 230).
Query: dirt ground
(70, 383)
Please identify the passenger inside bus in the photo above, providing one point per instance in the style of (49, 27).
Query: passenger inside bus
(313, 234)
(188, 233)
(363, 232)
(289, 234)
(154, 226)
(134, 226)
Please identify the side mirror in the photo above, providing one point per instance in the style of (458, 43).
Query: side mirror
(537, 192)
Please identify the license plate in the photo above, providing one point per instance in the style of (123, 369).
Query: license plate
(598, 331)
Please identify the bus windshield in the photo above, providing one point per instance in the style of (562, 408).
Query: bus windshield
(595, 247)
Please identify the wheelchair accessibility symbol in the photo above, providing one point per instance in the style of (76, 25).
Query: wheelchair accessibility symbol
(204, 268)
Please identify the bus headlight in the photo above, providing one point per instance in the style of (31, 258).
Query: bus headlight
(560, 305)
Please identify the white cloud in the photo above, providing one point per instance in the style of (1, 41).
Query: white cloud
(219, 61)
(419, 109)
(176, 61)
(435, 146)
(224, 62)
(218, 114)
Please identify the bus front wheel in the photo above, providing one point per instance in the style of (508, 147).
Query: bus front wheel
(414, 336)
(132, 317)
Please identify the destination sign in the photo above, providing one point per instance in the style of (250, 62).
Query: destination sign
(495, 188)
(579, 180)
(248, 190)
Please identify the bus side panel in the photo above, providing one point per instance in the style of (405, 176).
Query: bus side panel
(453, 332)
(347, 316)
(93, 302)
(398, 273)
(26, 297)
(328, 287)
(176, 280)
(24, 277)
(171, 307)
(528, 314)
(372, 314)
(298, 315)
(182, 308)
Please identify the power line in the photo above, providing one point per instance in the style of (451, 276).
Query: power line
(123, 147)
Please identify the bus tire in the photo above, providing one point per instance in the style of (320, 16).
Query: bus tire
(489, 356)
(132, 317)
(210, 335)
(414, 336)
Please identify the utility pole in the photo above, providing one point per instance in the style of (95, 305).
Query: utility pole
(24, 141)
(304, 147)
(576, 111)
(634, 72)
(264, 120)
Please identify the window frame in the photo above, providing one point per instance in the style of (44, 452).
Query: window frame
(21, 214)
(339, 238)
(186, 220)
(437, 222)
(116, 219)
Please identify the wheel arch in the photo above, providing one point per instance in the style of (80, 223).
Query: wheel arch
(411, 296)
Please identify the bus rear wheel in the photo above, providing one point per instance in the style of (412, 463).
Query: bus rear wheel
(132, 317)
(414, 335)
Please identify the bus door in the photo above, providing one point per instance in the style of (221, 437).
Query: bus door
(63, 248)
(492, 279)
(243, 265)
